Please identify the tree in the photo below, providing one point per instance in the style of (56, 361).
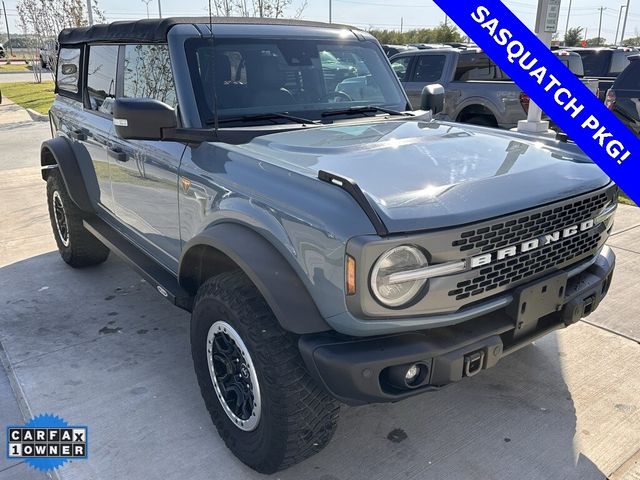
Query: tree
(44, 19)
(596, 42)
(573, 37)
(255, 8)
(442, 33)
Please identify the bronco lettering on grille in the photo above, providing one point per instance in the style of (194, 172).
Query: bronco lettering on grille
(530, 245)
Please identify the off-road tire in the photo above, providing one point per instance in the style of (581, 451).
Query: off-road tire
(297, 418)
(82, 248)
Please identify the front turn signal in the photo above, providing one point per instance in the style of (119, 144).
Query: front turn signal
(350, 276)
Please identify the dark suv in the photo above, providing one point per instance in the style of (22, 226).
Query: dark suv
(604, 63)
(329, 248)
(623, 98)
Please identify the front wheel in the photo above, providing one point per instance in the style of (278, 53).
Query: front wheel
(268, 410)
(76, 245)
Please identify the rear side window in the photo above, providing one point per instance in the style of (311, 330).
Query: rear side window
(478, 67)
(68, 72)
(630, 78)
(429, 68)
(618, 63)
(147, 73)
(101, 77)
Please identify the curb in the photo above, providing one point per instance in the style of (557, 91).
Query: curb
(20, 397)
(37, 117)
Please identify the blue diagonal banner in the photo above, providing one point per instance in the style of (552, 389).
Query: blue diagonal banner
(551, 85)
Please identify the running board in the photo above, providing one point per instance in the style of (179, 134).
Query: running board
(165, 283)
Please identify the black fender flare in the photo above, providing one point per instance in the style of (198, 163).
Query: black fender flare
(67, 163)
(275, 278)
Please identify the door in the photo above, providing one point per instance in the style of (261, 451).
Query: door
(144, 174)
(96, 124)
(428, 69)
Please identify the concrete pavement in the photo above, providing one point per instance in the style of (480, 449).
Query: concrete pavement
(99, 347)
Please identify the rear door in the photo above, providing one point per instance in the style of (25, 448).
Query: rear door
(428, 69)
(144, 174)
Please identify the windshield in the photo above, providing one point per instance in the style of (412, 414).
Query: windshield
(249, 77)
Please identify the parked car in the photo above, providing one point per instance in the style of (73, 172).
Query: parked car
(3, 53)
(623, 98)
(392, 50)
(604, 63)
(427, 46)
(477, 90)
(335, 71)
(328, 249)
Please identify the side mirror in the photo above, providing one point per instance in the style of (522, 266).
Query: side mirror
(432, 98)
(142, 118)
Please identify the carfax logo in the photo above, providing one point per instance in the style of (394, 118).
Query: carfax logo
(46, 442)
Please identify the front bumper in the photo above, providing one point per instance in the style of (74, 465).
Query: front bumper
(365, 370)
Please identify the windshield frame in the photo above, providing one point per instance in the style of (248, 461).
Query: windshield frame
(217, 116)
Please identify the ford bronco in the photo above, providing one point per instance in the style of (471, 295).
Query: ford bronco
(329, 249)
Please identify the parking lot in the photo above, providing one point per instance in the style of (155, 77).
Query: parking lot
(100, 348)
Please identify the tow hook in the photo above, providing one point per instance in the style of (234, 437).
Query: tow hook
(473, 363)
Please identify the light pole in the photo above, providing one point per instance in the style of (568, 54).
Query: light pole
(600, 25)
(566, 29)
(624, 24)
(146, 2)
(330, 11)
(159, 9)
(618, 27)
(6, 22)
(89, 12)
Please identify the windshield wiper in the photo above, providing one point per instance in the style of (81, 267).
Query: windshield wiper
(267, 116)
(363, 109)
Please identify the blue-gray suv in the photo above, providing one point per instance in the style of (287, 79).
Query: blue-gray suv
(331, 246)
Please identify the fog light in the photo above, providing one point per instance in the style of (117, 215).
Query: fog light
(407, 376)
(412, 373)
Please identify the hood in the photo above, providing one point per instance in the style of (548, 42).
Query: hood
(423, 175)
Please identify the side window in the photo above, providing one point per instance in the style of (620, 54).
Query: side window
(101, 77)
(147, 73)
(68, 72)
(619, 62)
(429, 68)
(401, 66)
(478, 67)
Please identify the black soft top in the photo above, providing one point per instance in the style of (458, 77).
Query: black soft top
(155, 30)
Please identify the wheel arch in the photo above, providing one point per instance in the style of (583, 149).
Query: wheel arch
(230, 246)
(474, 110)
(58, 153)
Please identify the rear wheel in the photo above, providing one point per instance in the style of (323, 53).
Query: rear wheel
(268, 410)
(76, 245)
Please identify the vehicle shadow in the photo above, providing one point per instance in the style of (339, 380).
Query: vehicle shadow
(100, 348)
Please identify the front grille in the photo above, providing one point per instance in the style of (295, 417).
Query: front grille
(517, 269)
(531, 226)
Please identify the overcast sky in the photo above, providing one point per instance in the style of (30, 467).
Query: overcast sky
(385, 13)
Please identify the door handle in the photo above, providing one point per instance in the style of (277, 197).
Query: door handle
(78, 134)
(117, 154)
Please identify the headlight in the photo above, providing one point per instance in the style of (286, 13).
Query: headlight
(395, 260)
